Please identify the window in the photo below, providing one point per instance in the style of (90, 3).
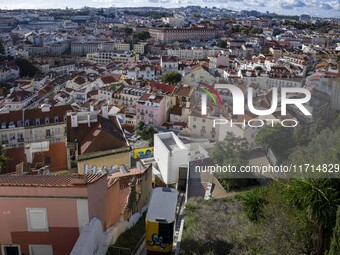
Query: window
(203, 120)
(47, 120)
(36, 249)
(4, 138)
(12, 137)
(37, 219)
(20, 137)
(48, 132)
(194, 126)
(10, 249)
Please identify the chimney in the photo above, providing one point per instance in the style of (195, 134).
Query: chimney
(88, 120)
(74, 120)
(105, 111)
(91, 107)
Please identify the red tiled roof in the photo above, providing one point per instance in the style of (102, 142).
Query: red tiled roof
(32, 115)
(163, 87)
(110, 79)
(60, 180)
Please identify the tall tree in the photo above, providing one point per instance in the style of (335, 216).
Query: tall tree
(3, 159)
(26, 67)
(222, 44)
(2, 47)
(172, 78)
(146, 132)
(233, 151)
(278, 138)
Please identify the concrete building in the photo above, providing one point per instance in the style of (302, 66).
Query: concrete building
(170, 154)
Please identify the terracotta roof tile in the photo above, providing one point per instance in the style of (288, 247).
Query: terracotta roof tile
(60, 180)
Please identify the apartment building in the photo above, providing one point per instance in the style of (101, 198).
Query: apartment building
(139, 47)
(151, 109)
(166, 35)
(192, 53)
(146, 72)
(19, 99)
(103, 58)
(169, 64)
(128, 95)
(26, 126)
(83, 48)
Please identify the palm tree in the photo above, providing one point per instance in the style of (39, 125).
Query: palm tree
(253, 203)
(319, 199)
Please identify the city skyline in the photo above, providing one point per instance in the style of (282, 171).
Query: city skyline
(321, 8)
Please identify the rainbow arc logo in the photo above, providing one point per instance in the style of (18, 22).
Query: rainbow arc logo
(212, 93)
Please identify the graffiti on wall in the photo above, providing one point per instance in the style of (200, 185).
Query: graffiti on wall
(146, 152)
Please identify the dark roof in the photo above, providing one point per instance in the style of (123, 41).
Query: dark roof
(103, 135)
(20, 95)
(164, 88)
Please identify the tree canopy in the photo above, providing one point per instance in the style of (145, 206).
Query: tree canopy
(280, 139)
(3, 159)
(146, 132)
(26, 67)
(172, 78)
(142, 35)
(222, 44)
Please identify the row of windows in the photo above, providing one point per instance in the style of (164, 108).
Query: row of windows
(36, 121)
(20, 136)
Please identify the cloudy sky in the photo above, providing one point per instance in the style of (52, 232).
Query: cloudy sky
(322, 8)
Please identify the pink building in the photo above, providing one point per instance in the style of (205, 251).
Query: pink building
(44, 215)
(151, 109)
